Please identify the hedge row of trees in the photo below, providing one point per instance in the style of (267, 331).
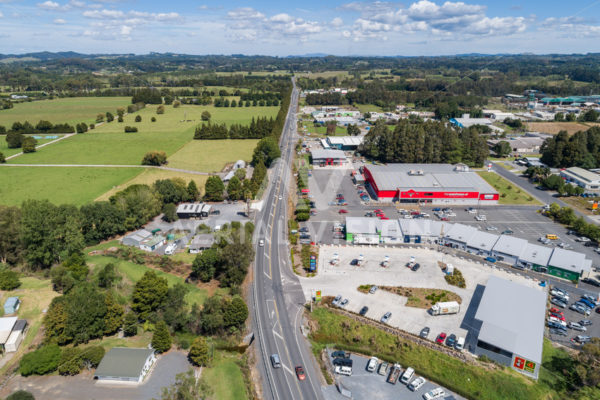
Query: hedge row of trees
(41, 127)
(258, 128)
(579, 150)
(566, 216)
(415, 141)
(41, 234)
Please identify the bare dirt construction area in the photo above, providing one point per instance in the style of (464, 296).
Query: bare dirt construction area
(554, 127)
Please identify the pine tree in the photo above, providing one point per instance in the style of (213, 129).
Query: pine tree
(130, 327)
(161, 339)
(198, 354)
(193, 192)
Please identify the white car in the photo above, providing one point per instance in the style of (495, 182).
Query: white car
(577, 326)
(583, 239)
(481, 217)
(471, 211)
(261, 242)
(416, 383)
(434, 394)
(557, 321)
(372, 365)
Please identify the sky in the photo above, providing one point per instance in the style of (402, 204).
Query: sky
(282, 28)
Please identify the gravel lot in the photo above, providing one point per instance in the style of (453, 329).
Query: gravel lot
(344, 279)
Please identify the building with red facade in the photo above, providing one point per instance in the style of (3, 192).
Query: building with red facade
(429, 183)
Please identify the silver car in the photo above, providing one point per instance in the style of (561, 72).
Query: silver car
(386, 317)
(577, 327)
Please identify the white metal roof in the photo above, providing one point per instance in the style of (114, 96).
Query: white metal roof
(361, 225)
(345, 140)
(512, 317)
(433, 177)
(189, 208)
(510, 245)
(423, 227)
(582, 175)
(390, 228)
(6, 326)
(569, 260)
(483, 240)
(319, 154)
(139, 235)
(536, 254)
(461, 233)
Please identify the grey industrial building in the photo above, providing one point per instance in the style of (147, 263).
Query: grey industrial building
(323, 157)
(512, 325)
(193, 210)
(514, 251)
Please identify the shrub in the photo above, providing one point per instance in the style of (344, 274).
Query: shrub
(153, 119)
(14, 140)
(176, 104)
(2, 158)
(138, 118)
(41, 361)
(456, 279)
(92, 126)
(160, 109)
(91, 356)
(29, 144)
(161, 339)
(130, 129)
(120, 118)
(70, 361)
(9, 280)
(156, 158)
(20, 395)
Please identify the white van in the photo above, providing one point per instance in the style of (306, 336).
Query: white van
(343, 370)
(170, 249)
(434, 394)
(460, 344)
(407, 375)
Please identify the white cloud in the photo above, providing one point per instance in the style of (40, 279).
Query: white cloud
(49, 5)
(571, 27)
(1, 15)
(245, 13)
(116, 24)
(59, 21)
(337, 22)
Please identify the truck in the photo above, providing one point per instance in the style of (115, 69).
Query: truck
(444, 308)
(394, 374)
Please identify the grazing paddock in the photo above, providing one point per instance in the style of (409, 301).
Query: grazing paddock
(212, 155)
(554, 127)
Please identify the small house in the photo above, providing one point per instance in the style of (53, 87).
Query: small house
(201, 242)
(125, 365)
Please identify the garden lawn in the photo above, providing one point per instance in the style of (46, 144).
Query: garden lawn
(473, 382)
(509, 192)
(225, 377)
(149, 175)
(9, 152)
(133, 272)
(212, 155)
(108, 144)
(363, 108)
(322, 130)
(59, 184)
(72, 110)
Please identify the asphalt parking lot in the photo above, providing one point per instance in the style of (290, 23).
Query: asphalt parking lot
(370, 385)
(344, 279)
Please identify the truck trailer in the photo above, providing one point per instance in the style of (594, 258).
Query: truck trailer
(444, 308)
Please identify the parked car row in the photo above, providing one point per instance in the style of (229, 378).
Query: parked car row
(450, 340)
(394, 374)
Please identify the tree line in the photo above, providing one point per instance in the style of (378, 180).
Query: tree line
(579, 150)
(41, 127)
(258, 128)
(415, 141)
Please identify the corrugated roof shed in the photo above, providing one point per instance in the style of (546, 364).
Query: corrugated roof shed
(123, 362)
(513, 317)
(6, 326)
(461, 233)
(569, 260)
(510, 245)
(362, 225)
(483, 240)
(319, 154)
(536, 254)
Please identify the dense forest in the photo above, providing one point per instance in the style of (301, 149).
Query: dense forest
(257, 129)
(579, 150)
(415, 141)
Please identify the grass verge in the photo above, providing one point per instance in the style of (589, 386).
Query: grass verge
(509, 192)
(225, 377)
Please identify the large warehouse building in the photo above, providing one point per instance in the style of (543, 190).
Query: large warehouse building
(429, 183)
(512, 325)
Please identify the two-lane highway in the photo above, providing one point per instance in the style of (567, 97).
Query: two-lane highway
(278, 299)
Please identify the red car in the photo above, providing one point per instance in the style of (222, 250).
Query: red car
(378, 211)
(555, 310)
(415, 213)
(445, 219)
(383, 217)
(342, 211)
(441, 338)
(300, 373)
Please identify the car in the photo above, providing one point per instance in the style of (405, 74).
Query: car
(369, 214)
(343, 362)
(577, 326)
(280, 197)
(589, 298)
(340, 354)
(581, 309)
(583, 239)
(303, 229)
(373, 289)
(565, 246)
(591, 244)
(558, 295)
(386, 317)
(556, 311)
(589, 303)
(491, 228)
(372, 364)
(436, 209)
(444, 219)
(383, 218)
(507, 232)
(581, 339)
(591, 281)
(261, 242)
(557, 321)
(451, 340)
(481, 217)
(275, 361)
(434, 394)
(416, 267)
(471, 210)
(378, 211)
(300, 373)
(416, 384)
(441, 338)
(415, 213)
(558, 302)
(490, 259)
(383, 368)
(336, 300)
(363, 311)
(558, 332)
(556, 325)
(344, 303)
(585, 322)
(343, 211)
(424, 332)
(558, 316)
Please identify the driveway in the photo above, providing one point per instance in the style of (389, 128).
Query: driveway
(83, 386)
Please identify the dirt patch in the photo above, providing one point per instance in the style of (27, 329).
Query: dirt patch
(423, 297)
(554, 127)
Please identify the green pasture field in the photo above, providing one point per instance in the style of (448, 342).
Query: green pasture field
(212, 155)
(72, 110)
(363, 108)
(322, 130)
(59, 184)
(9, 152)
(108, 144)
